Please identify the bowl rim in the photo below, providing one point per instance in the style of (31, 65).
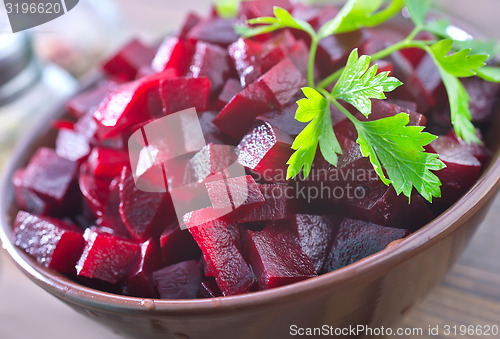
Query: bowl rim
(70, 291)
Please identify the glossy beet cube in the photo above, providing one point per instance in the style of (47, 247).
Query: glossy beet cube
(334, 50)
(223, 258)
(139, 281)
(279, 204)
(183, 93)
(284, 119)
(212, 62)
(299, 55)
(210, 160)
(86, 102)
(316, 234)
(209, 289)
(216, 31)
(259, 8)
(126, 62)
(231, 88)
(53, 243)
(276, 256)
(107, 163)
(484, 97)
(72, 145)
(175, 54)
(144, 214)
(111, 218)
(461, 172)
(379, 38)
(191, 20)
(265, 150)
(106, 257)
(96, 193)
(53, 180)
(380, 205)
(178, 245)
(479, 151)
(26, 199)
(359, 239)
(415, 215)
(211, 132)
(179, 281)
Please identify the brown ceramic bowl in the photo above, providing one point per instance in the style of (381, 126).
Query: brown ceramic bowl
(376, 291)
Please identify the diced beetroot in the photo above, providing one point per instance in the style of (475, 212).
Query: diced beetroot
(175, 54)
(86, 126)
(183, 93)
(231, 272)
(107, 163)
(53, 180)
(234, 197)
(461, 172)
(86, 102)
(359, 239)
(415, 55)
(206, 270)
(178, 245)
(139, 281)
(127, 61)
(307, 13)
(130, 104)
(210, 160)
(191, 20)
(276, 256)
(215, 31)
(409, 105)
(53, 243)
(179, 281)
(284, 119)
(299, 55)
(278, 206)
(96, 193)
(72, 145)
(316, 234)
(484, 97)
(144, 214)
(26, 198)
(212, 62)
(106, 257)
(334, 50)
(415, 215)
(479, 151)
(209, 289)
(259, 8)
(380, 205)
(379, 38)
(211, 133)
(384, 66)
(231, 88)
(265, 150)
(238, 116)
(111, 219)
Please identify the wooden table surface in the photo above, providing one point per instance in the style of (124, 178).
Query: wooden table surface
(470, 294)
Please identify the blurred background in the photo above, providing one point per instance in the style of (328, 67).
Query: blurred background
(68, 50)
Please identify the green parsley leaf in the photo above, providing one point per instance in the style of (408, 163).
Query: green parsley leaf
(227, 8)
(460, 64)
(418, 10)
(282, 19)
(399, 149)
(491, 74)
(359, 83)
(314, 109)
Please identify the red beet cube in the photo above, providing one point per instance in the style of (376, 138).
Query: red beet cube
(211, 132)
(26, 198)
(479, 151)
(191, 20)
(179, 281)
(183, 93)
(126, 62)
(484, 96)
(231, 88)
(174, 54)
(334, 50)
(216, 31)
(212, 62)
(316, 234)
(223, 258)
(299, 55)
(139, 281)
(87, 102)
(415, 215)
(53, 243)
(106, 257)
(284, 119)
(110, 218)
(359, 239)
(96, 193)
(260, 8)
(279, 204)
(72, 145)
(144, 214)
(211, 160)
(178, 245)
(276, 256)
(265, 150)
(107, 163)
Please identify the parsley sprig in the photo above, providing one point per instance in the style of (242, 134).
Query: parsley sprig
(395, 149)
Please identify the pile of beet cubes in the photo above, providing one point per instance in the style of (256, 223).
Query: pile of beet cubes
(82, 214)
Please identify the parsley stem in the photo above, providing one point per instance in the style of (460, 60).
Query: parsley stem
(334, 101)
(312, 60)
(331, 79)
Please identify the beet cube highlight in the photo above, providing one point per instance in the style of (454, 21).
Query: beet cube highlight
(53, 243)
(216, 31)
(276, 256)
(126, 63)
(106, 257)
(183, 93)
(179, 281)
(174, 54)
(26, 198)
(359, 239)
(210, 160)
(212, 62)
(107, 163)
(72, 145)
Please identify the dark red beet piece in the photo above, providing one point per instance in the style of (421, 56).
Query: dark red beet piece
(276, 256)
(299, 55)
(139, 281)
(179, 281)
(144, 214)
(86, 102)
(334, 50)
(106, 257)
(209, 289)
(461, 172)
(279, 204)
(26, 198)
(479, 151)
(126, 62)
(231, 88)
(484, 97)
(183, 93)
(284, 120)
(96, 193)
(415, 215)
(359, 239)
(211, 133)
(212, 62)
(53, 243)
(260, 8)
(111, 217)
(265, 150)
(191, 20)
(316, 234)
(72, 145)
(215, 31)
(223, 258)
(178, 245)
(175, 54)
(210, 160)
(107, 163)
